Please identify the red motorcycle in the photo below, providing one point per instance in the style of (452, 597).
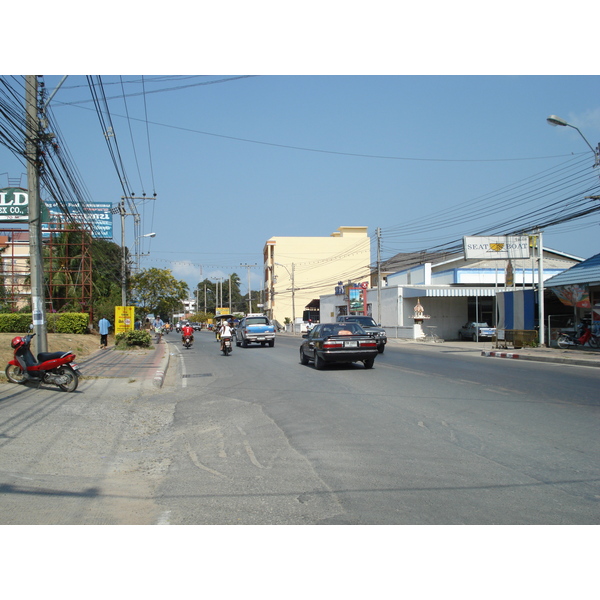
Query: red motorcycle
(57, 368)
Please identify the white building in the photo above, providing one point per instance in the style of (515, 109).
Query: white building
(452, 290)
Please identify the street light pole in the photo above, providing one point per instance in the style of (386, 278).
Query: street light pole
(557, 121)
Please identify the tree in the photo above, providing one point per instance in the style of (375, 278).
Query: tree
(157, 291)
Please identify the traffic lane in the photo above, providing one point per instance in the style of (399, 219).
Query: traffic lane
(230, 463)
(474, 453)
(571, 383)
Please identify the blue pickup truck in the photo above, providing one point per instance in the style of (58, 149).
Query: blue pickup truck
(255, 329)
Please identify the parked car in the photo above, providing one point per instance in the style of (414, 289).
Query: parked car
(196, 326)
(474, 331)
(370, 326)
(338, 343)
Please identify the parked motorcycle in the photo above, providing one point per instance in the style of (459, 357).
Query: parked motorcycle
(226, 346)
(583, 336)
(56, 368)
(187, 341)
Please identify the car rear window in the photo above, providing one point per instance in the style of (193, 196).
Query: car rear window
(342, 329)
(257, 321)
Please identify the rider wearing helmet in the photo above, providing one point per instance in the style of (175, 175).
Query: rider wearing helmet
(224, 331)
(187, 331)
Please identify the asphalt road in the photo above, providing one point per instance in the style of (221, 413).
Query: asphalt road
(426, 437)
(430, 435)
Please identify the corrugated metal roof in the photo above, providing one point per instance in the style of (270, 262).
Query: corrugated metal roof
(587, 271)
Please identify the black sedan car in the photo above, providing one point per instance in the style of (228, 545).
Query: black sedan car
(338, 343)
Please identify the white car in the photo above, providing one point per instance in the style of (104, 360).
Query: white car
(474, 331)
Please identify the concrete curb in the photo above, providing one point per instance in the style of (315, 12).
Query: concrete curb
(501, 354)
(548, 359)
(161, 372)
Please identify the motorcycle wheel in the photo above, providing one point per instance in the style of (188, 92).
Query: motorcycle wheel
(73, 379)
(593, 341)
(562, 341)
(15, 374)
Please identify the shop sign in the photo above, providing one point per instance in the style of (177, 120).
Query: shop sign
(499, 247)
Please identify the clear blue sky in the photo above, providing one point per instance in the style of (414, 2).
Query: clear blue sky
(427, 158)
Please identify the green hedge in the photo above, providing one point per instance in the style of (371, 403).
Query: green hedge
(56, 322)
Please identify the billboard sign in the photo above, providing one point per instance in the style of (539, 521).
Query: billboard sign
(97, 214)
(499, 247)
(14, 205)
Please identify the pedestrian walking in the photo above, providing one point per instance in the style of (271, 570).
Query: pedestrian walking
(103, 327)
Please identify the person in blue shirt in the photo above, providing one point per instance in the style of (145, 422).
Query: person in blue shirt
(103, 327)
(158, 328)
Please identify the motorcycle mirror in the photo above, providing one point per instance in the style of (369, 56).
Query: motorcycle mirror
(30, 326)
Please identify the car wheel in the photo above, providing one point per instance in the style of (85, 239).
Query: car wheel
(271, 343)
(369, 363)
(303, 359)
(381, 348)
(319, 362)
(244, 343)
(460, 336)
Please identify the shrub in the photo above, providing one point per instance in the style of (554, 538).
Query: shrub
(129, 339)
(68, 322)
(56, 322)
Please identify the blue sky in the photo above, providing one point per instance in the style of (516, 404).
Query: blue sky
(235, 161)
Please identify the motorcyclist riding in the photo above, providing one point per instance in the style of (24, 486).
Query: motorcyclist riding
(224, 331)
(158, 328)
(187, 331)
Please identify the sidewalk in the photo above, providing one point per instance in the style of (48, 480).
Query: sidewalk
(587, 357)
(143, 363)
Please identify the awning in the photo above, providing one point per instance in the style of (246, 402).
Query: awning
(432, 291)
(314, 304)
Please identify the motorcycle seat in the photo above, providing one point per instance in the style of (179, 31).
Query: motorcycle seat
(44, 356)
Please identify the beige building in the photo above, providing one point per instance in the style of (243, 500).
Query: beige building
(298, 270)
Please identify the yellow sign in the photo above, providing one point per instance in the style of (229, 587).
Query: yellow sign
(124, 319)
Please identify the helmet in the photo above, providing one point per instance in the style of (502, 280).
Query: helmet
(16, 342)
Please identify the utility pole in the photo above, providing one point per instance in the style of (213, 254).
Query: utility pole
(542, 340)
(123, 255)
(379, 274)
(38, 305)
(248, 267)
(136, 235)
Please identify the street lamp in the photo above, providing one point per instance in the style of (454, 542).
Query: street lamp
(293, 294)
(137, 252)
(557, 121)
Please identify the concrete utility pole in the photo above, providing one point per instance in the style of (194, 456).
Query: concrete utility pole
(379, 275)
(38, 305)
(249, 292)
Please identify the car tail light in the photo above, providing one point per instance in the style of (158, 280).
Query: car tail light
(369, 344)
(329, 344)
